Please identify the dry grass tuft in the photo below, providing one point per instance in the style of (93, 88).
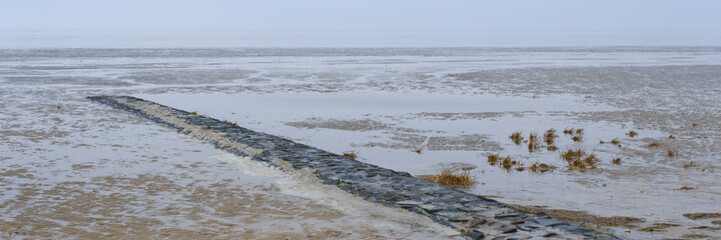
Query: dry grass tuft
(231, 123)
(616, 161)
(591, 161)
(671, 153)
(352, 155)
(576, 134)
(533, 142)
(571, 155)
(631, 133)
(550, 136)
(493, 159)
(447, 178)
(516, 138)
(653, 144)
(418, 150)
(576, 161)
(541, 167)
(507, 163)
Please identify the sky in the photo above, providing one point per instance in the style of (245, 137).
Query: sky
(367, 15)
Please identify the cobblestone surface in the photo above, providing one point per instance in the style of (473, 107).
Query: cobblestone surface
(475, 216)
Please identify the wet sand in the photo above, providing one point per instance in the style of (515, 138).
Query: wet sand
(74, 169)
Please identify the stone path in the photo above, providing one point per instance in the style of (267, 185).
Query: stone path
(474, 216)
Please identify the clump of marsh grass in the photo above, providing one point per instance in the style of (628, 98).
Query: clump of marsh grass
(533, 142)
(573, 131)
(631, 133)
(493, 159)
(577, 161)
(571, 154)
(351, 155)
(446, 177)
(591, 161)
(550, 136)
(541, 167)
(507, 163)
(576, 134)
(231, 123)
(516, 138)
(671, 153)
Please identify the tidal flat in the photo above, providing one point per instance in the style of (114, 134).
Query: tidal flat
(72, 166)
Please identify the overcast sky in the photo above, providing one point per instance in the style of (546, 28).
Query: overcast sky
(367, 15)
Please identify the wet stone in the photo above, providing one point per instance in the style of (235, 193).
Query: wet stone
(452, 213)
(465, 218)
(550, 222)
(409, 203)
(475, 235)
(509, 229)
(432, 207)
(507, 215)
(528, 227)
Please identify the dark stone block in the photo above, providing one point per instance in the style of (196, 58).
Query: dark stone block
(507, 215)
(475, 235)
(510, 229)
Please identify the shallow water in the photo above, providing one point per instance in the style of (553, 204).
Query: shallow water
(457, 104)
